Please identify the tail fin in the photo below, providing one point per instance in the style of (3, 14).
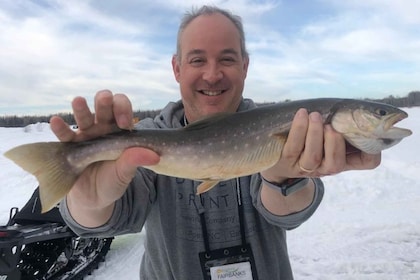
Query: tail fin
(47, 162)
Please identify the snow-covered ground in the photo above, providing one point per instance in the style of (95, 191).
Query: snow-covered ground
(368, 226)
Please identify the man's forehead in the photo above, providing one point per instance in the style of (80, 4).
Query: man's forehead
(215, 30)
(204, 25)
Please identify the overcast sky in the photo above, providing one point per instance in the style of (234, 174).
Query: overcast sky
(54, 50)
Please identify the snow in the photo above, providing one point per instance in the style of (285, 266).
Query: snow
(368, 226)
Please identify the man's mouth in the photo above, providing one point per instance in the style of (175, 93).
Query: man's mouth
(212, 92)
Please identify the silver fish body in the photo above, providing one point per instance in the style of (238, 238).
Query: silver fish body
(217, 148)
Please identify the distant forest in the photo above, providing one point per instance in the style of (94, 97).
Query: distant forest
(411, 100)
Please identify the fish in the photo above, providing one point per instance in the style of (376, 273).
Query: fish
(214, 149)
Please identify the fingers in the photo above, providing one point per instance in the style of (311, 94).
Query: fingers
(61, 129)
(123, 111)
(361, 161)
(113, 109)
(104, 101)
(110, 111)
(297, 136)
(332, 157)
(303, 151)
(304, 146)
(82, 114)
(314, 149)
(334, 160)
(312, 154)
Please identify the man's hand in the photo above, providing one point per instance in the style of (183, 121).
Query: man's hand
(313, 150)
(111, 111)
(91, 200)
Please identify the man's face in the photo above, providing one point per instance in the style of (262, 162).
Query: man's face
(211, 71)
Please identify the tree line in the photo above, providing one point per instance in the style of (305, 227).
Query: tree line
(22, 121)
(411, 100)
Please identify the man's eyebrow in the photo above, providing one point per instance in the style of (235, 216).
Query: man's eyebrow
(200, 52)
(230, 51)
(195, 52)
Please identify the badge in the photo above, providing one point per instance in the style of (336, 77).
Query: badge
(229, 263)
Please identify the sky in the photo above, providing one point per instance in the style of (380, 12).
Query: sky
(54, 50)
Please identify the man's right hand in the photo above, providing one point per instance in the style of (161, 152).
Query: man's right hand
(91, 200)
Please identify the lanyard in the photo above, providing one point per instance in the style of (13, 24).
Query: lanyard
(201, 211)
(240, 214)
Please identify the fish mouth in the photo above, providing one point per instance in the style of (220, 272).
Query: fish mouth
(212, 92)
(393, 131)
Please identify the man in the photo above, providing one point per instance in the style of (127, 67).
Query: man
(238, 225)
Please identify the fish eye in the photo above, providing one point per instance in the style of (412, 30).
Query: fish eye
(381, 112)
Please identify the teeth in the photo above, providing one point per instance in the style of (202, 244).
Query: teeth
(212, 93)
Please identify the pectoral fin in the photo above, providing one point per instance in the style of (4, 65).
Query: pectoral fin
(206, 186)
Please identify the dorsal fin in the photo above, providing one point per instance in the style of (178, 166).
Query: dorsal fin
(202, 123)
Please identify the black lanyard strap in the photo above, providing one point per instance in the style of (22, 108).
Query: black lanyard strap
(204, 230)
(240, 214)
(240, 211)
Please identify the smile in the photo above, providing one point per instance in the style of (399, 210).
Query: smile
(212, 92)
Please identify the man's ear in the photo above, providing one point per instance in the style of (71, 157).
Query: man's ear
(175, 67)
(246, 64)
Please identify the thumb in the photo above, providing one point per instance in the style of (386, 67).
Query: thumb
(130, 159)
(139, 157)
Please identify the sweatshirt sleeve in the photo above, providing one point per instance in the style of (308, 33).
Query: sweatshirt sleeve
(130, 211)
(289, 221)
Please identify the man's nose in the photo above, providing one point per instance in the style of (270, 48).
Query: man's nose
(213, 73)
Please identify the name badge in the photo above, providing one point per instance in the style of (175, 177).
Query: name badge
(232, 271)
(229, 263)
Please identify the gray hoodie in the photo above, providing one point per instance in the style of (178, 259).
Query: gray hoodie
(166, 208)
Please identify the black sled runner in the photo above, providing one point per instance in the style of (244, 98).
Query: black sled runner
(35, 246)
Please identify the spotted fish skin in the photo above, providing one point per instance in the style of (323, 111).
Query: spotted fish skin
(218, 148)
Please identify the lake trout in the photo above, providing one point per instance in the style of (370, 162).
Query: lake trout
(214, 149)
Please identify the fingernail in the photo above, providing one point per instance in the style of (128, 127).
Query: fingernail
(315, 117)
(124, 122)
(301, 112)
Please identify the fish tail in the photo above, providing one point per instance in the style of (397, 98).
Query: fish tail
(47, 162)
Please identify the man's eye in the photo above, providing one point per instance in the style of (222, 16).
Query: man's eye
(196, 61)
(228, 60)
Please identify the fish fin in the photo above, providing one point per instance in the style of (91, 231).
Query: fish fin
(47, 162)
(202, 123)
(281, 136)
(206, 186)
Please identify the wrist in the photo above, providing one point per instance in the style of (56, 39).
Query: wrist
(274, 179)
(286, 186)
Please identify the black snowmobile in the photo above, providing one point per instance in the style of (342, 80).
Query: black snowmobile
(35, 246)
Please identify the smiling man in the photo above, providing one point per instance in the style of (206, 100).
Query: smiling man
(240, 225)
(210, 66)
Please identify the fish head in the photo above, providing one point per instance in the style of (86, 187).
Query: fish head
(369, 126)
